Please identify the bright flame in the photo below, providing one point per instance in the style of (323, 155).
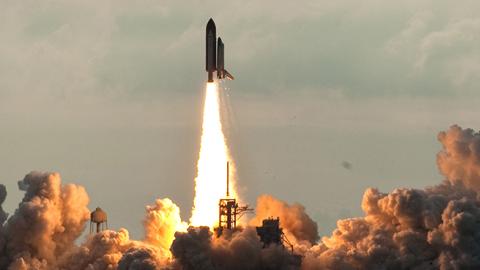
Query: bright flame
(210, 183)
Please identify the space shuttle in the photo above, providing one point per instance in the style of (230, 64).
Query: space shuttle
(215, 51)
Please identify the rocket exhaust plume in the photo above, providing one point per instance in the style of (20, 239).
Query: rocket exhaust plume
(210, 184)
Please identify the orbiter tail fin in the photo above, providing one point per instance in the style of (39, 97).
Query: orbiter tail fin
(228, 75)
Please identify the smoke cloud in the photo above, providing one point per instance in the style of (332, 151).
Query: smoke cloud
(161, 223)
(46, 222)
(41, 233)
(459, 160)
(115, 250)
(3, 196)
(297, 225)
(198, 248)
(111, 250)
(433, 228)
(3, 217)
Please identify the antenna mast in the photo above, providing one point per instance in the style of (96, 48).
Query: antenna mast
(228, 178)
(229, 212)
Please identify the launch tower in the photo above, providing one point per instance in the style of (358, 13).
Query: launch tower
(229, 212)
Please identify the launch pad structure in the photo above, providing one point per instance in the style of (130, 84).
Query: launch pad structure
(229, 212)
(271, 233)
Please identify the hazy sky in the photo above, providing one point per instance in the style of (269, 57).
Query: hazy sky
(109, 94)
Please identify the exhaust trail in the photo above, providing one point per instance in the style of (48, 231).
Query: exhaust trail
(210, 182)
(228, 114)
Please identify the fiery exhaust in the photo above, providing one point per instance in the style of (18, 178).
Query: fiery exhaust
(210, 182)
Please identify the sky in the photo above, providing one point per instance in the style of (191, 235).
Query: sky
(110, 93)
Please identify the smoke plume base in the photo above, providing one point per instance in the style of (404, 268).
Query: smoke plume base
(431, 228)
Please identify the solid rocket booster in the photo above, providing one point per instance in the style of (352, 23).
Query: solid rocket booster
(221, 71)
(214, 60)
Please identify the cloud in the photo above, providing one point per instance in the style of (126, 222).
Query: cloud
(144, 48)
(457, 38)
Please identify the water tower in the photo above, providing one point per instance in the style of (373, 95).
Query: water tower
(99, 218)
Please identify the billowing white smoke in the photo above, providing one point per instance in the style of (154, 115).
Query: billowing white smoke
(3, 196)
(433, 228)
(41, 233)
(297, 225)
(112, 250)
(3, 217)
(161, 223)
(459, 160)
(199, 249)
(46, 223)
